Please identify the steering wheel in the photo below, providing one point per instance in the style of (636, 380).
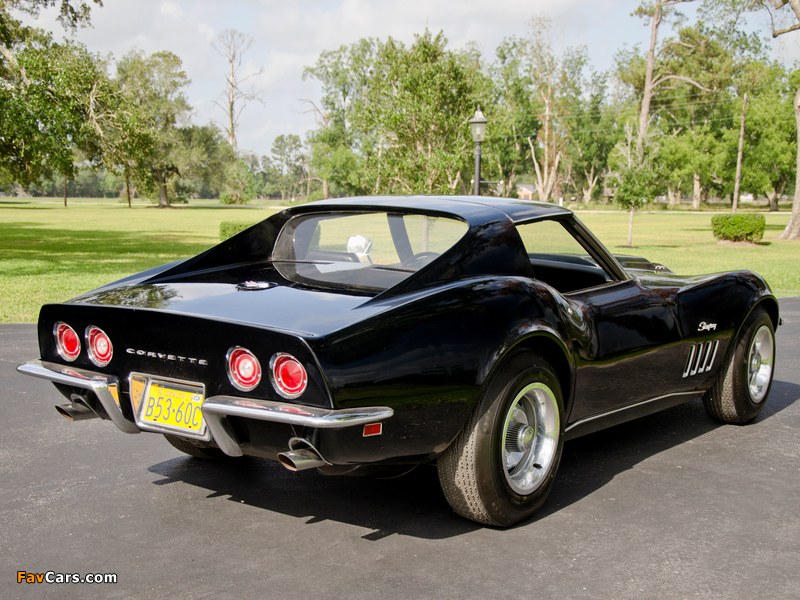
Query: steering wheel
(419, 260)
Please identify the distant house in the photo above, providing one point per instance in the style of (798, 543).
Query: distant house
(525, 191)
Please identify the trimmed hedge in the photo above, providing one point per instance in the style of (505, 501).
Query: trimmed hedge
(231, 228)
(741, 227)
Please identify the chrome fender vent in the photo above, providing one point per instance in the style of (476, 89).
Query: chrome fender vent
(701, 358)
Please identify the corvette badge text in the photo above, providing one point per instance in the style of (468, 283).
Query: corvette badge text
(173, 357)
(53, 577)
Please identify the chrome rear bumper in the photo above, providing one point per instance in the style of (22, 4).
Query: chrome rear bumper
(215, 409)
(105, 387)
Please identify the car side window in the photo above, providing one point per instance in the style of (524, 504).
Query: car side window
(558, 259)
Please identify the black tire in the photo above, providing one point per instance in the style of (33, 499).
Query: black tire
(741, 390)
(196, 449)
(477, 472)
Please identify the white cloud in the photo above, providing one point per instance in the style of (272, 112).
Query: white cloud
(171, 9)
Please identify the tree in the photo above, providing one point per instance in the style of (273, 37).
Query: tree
(547, 71)
(415, 108)
(792, 231)
(512, 115)
(635, 173)
(593, 133)
(58, 107)
(72, 13)
(785, 18)
(239, 183)
(49, 94)
(206, 159)
(652, 80)
(335, 146)
(771, 136)
(155, 84)
(694, 107)
(232, 45)
(289, 159)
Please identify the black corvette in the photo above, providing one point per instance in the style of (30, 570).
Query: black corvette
(347, 335)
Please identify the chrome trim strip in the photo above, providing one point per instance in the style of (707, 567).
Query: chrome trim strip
(627, 407)
(706, 356)
(216, 408)
(688, 367)
(87, 380)
(710, 363)
(698, 360)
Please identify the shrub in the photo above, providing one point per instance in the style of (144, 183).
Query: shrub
(739, 227)
(230, 228)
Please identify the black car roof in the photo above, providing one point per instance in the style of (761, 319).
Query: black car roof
(470, 208)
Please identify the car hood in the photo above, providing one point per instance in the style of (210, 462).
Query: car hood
(301, 311)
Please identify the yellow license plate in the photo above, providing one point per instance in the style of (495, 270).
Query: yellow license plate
(174, 405)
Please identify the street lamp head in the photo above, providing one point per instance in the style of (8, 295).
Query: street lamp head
(478, 125)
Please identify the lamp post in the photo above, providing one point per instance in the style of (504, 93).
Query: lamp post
(478, 126)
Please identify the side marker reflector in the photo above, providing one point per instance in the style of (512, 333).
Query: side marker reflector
(371, 429)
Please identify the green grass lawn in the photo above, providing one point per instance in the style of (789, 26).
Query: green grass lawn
(49, 253)
(684, 243)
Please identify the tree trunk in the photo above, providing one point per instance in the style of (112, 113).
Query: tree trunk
(591, 182)
(792, 231)
(630, 229)
(647, 95)
(697, 192)
(128, 189)
(163, 201)
(325, 189)
(674, 195)
(231, 105)
(65, 191)
(772, 199)
(739, 157)
(774, 196)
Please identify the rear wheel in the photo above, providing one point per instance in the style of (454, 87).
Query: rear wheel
(196, 449)
(501, 467)
(742, 387)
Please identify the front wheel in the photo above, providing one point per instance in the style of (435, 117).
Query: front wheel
(742, 387)
(501, 467)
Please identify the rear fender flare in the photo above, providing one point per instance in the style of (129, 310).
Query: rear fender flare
(545, 341)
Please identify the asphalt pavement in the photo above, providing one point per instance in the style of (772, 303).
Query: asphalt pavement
(669, 506)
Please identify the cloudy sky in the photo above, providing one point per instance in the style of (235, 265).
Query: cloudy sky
(289, 35)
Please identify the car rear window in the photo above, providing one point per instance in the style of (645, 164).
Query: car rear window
(363, 251)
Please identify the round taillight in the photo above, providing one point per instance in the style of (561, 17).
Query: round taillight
(100, 348)
(68, 343)
(244, 370)
(288, 376)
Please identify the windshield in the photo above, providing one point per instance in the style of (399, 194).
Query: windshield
(362, 251)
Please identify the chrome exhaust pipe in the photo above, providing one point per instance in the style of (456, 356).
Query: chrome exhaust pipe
(300, 460)
(76, 412)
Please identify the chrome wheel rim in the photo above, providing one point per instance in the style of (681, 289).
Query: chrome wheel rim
(530, 438)
(759, 364)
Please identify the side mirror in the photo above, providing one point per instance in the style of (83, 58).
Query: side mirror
(359, 245)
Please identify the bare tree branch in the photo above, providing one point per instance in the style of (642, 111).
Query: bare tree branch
(232, 45)
(688, 80)
(777, 32)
